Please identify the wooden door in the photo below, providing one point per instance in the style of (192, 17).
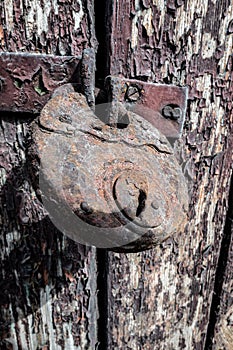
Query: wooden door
(57, 294)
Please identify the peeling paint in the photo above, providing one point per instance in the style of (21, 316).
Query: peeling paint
(37, 18)
(48, 26)
(78, 16)
(227, 53)
(208, 45)
(143, 17)
(147, 21)
(203, 84)
(186, 17)
(8, 7)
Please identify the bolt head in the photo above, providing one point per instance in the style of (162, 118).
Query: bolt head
(172, 112)
(133, 93)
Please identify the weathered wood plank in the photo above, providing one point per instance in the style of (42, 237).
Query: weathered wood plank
(161, 299)
(54, 27)
(48, 293)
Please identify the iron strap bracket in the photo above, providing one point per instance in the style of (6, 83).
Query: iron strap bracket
(27, 80)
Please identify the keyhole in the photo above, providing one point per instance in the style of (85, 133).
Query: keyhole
(141, 202)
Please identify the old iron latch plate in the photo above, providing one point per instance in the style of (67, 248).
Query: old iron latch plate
(164, 106)
(28, 80)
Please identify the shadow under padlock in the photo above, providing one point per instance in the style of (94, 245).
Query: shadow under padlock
(116, 186)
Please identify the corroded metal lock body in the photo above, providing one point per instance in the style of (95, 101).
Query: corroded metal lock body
(119, 188)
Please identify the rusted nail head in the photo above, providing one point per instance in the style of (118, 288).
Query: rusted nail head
(85, 207)
(155, 205)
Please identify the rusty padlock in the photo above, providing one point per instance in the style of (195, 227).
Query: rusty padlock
(119, 188)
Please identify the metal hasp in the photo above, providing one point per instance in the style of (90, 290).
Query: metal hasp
(118, 187)
(164, 106)
(28, 80)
